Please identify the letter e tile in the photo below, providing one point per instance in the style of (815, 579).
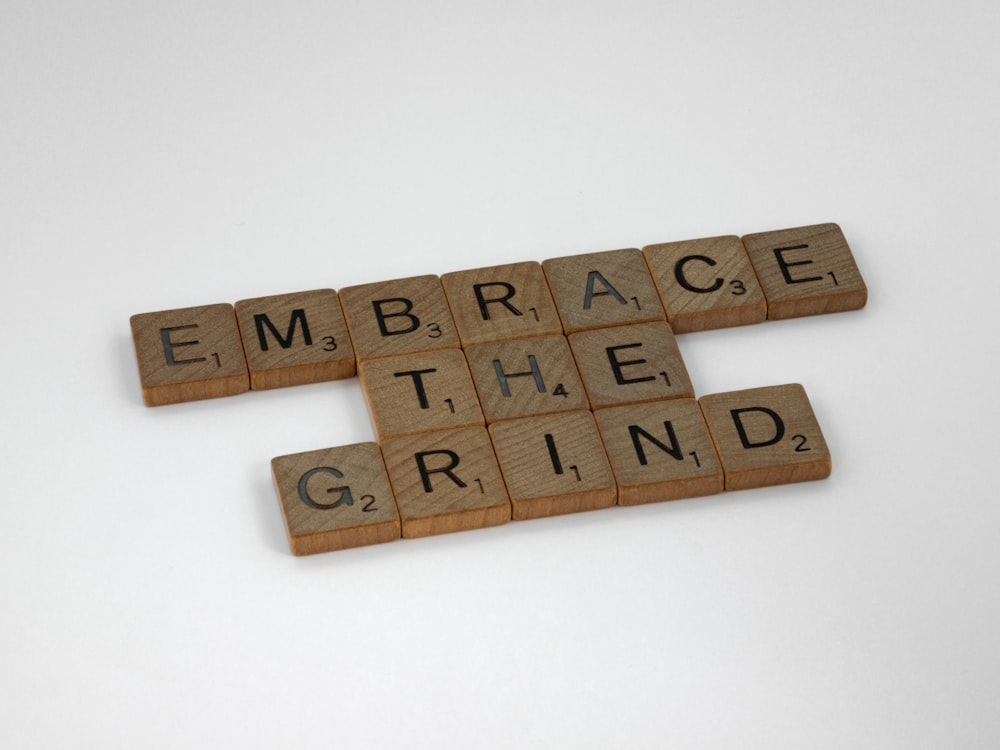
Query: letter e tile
(766, 436)
(707, 283)
(446, 481)
(294, 339)
(189, 354)
(660, 451)
(335, 498)
(594, 290)
(554, 464)
(806, 271)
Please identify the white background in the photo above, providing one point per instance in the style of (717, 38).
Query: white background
(161, 155)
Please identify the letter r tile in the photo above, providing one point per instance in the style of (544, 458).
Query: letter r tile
(766, 436)
(446, 481)
(595, 290)
(398, 317)
(806, 271)
(189, 354)
(294, 339)
(335, 498)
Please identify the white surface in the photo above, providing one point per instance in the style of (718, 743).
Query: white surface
(181, 154)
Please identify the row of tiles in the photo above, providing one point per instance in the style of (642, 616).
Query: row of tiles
(473, 477)
(283, 340)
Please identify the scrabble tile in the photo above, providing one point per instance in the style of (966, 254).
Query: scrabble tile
(335, 498)
(294, 339)
(806, 271)
(629, 364)
(189, 354)
(446, 481)
(501, 302)
(413, 393)
(595, 290)
(554, 464)
(766, 436)
(521, 377)
(660, 451)
(398, 317)
(706, 283)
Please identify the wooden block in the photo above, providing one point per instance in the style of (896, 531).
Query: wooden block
(446, 481)
(660, 451)
(294, 339)
(522, 377)
(413, 393)
(501, 302)
(553, 464)
(766, 436)
(629, 364)
(335, 498)
(806, 271)
(595, 290)
(398, 317)
(189, 354)
(706, 283)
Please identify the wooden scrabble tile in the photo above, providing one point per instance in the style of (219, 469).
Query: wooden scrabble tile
(553, 464)
(706, 283)
(335, 498)
(189, 354)
(629, 364)
(398, 317)
(446, 481)
(594, 290)
(806, 271)
(501, 302)
(294, 339)
(413, 393)
(766, 436)
(660, 451)
(521, 377)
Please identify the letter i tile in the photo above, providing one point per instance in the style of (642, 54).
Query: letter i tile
(335, 498)
(189, 354)
(766, 436)
(554, 464)
(445, 481)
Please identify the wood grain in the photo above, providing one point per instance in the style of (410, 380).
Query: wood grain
(660, 451)
(630, 364)
(335, 498)
(446, 481)
(521, 377)
(766, 436)
(553, 464)
(806, 271)
(412, 393)
(501, 302)
(706, 283)
(595, 290)
(398, 317)
(189, 354)
(295, 339)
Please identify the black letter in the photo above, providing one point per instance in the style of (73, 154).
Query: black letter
(673, 449)
(785, 265)
(616, 366)
(298, 316)
(381, 316)
(589, 295)
(418, 383)
(682, 280)
(168, 345)
(425, 473)
(503, 376)
(483, 302)
(779, 426)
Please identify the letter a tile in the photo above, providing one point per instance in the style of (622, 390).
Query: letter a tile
(189, 354)
(554, 464)
(446, 481)
(660, 451)
(766, 436)
(294, 339)
(806, 271)
(707, 283)
(335, 498)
